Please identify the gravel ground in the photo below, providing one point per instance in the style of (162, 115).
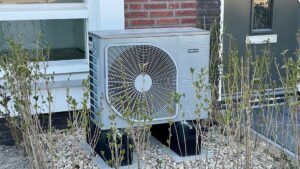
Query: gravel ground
(12, 158)
(69, 153)
(227, 154)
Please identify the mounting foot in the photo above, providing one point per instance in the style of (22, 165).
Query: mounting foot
(103, 142)
(184, 140)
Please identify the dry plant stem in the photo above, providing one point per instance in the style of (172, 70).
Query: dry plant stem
(49, 100)
(79, 118)
(139, 132)
(244, 81)
(21, 76)
(289, 81)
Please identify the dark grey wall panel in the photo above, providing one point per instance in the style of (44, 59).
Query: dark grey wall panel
(237, 19)
(299, 15)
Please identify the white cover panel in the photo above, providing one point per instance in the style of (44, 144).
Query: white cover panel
(186, 50)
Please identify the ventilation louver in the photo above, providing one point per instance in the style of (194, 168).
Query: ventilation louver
(140, 80)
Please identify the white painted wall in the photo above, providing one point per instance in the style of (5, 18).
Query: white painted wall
(106, 15)
(111, 15)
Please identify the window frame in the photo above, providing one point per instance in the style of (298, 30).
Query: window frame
(262, 31)
(50, 11)
(96, 13)
(15, 12)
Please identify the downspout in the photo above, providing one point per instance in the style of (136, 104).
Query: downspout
(221, 48)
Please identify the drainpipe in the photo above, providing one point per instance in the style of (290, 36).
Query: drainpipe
(221, 48)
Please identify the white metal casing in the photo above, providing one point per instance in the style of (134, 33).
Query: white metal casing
(188, 47)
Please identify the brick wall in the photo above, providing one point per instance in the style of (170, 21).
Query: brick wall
(59, 121)
(166, 13)
(5, 135)
(160, 13)
(208, 12)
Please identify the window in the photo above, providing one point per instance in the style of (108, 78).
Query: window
(261, 19)
(64, 23)
(64, 37)
(61, 25)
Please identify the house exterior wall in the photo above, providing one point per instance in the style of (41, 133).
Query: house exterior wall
(208, 12)
(5, 135)
(299, 15)
(237, 22)
(135, 14)
(170, 13)
(59, 121)
(98, 15)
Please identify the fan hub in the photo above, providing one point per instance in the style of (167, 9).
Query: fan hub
(143, 83)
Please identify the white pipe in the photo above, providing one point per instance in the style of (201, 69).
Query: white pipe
(221, 48)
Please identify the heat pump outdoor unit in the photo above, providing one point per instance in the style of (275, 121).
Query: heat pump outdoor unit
(129, 68)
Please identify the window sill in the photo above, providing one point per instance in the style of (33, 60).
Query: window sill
(68, 66)
(262, 31)
(63, 69)
(43, 11)
(261, 39)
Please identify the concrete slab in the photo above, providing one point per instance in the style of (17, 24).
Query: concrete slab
(102, 164)
(205, 154)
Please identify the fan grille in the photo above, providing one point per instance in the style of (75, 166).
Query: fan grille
(140, 81)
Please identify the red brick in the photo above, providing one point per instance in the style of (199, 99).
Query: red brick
(169, 21)
(126, 23)
(127, 1)
(126, 7)
(155, 6)
(188, 21)
(161, 13)
(141, 22)
(189, 5)
(136, 14)
(186, 13)
(173, 6)
(135, 6)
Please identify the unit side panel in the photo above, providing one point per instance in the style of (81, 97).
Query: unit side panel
(194, 53)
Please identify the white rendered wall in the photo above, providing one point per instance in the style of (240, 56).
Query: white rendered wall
(106, 15)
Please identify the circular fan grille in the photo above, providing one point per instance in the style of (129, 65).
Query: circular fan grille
(140, 79)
